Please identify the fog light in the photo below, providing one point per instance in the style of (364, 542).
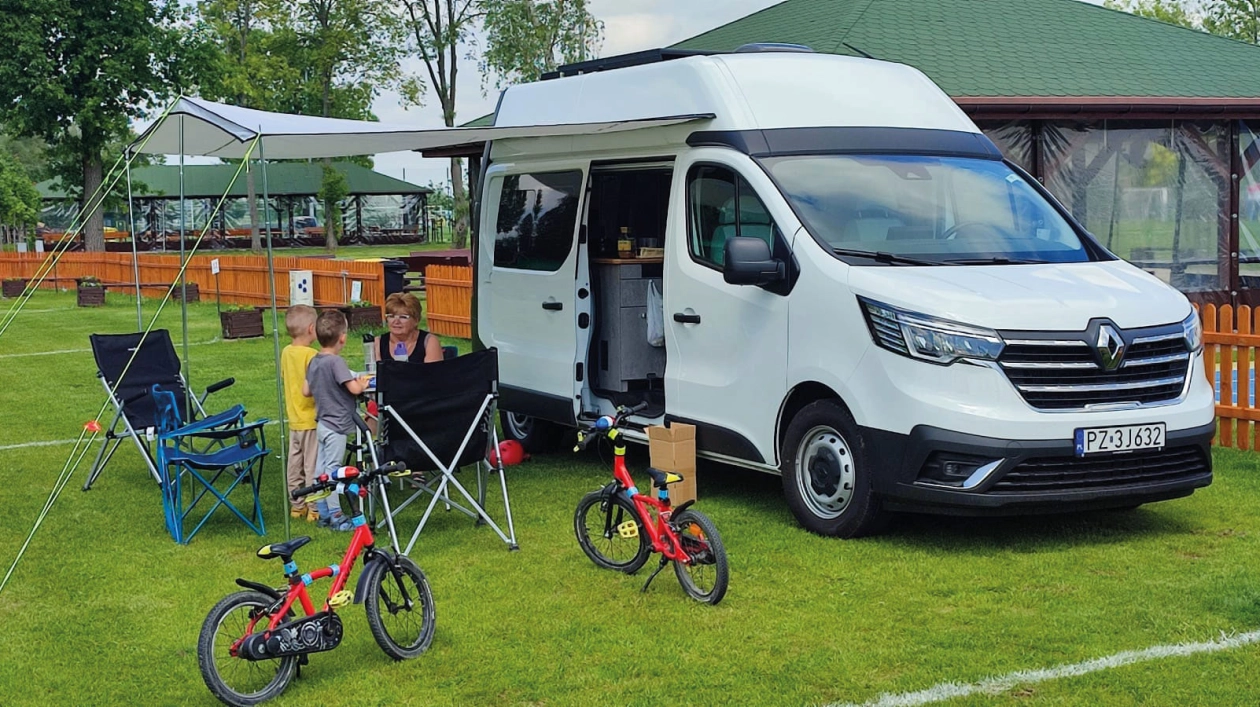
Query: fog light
(955, 470)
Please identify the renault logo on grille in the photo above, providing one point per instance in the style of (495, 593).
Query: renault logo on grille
(1110, 347)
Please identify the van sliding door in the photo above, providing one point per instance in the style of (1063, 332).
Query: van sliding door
(526, 297)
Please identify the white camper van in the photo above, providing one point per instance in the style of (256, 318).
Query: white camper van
(822, 264)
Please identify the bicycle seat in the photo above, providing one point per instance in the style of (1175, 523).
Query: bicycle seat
(284, 549)
(663, 478)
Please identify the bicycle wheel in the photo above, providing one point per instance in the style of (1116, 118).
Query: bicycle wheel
(399, 607)
(705, 577)
(596, 521)
(237, 681)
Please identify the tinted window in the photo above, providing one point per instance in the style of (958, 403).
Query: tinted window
(723, 206)
(537, 215)
(946, 210)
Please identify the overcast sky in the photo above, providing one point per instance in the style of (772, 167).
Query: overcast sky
(629, 26)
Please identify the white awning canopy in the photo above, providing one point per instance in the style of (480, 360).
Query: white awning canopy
(221, 130)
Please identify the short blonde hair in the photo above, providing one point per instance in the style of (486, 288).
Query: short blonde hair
(403, 303)
(298, 319)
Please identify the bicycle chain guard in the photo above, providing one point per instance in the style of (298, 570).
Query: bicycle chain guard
(310, 634)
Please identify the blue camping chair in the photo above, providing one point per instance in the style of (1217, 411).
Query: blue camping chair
(200, 459)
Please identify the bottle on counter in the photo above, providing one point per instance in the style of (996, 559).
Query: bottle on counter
(625, 244)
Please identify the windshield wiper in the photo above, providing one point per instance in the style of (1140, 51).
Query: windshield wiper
(994, 261)
(882, 257)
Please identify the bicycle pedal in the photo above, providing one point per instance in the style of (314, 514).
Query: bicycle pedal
(340, 599)
(628, 529)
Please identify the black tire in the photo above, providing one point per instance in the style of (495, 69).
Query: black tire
(827, 475)
(535, 435)
(705, 579)
(237, 681)
(595, 523)
(400, 609)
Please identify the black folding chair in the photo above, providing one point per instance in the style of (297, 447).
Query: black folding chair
(440, 417)
(129, 388)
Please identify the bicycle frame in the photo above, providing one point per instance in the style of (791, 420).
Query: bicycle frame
(664, 539)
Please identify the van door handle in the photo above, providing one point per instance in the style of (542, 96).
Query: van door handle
(686, 318)
(553, 306)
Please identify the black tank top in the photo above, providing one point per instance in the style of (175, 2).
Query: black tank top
(382, 347)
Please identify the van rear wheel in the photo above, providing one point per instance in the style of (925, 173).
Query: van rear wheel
(535, 435)
(826, 476)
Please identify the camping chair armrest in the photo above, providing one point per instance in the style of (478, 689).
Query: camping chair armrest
(195, 431)
(216, 387)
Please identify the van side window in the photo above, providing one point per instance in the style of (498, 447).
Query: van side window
(722, 206)
(537, 215)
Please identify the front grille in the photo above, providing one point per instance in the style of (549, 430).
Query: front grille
(1065, 373)
(1050, 474)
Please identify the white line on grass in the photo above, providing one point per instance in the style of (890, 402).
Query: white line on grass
(215, 340)
(55, 442)
(993, 686)
(49, 443)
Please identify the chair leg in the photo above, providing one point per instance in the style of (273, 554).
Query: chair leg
(101, 460)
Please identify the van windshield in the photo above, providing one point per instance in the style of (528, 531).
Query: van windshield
(937, 210)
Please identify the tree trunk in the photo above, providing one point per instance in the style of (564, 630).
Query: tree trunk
(255, 242)
(460, 239)
(94, 225)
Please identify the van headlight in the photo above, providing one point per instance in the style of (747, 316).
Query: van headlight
(928, 338)
(1192, 329)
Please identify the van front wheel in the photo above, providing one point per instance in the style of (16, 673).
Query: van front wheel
(535, 435)
(826, 477)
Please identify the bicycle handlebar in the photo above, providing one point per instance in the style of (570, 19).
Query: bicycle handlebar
(589, 432)
(366, 477)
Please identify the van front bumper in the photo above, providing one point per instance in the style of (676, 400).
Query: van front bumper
(941, 471)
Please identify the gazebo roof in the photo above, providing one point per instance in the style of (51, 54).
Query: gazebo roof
(1017, 52)
(283, 179)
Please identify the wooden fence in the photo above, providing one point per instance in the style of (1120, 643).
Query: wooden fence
(448, 289)
(1230, 340)
(242, 279)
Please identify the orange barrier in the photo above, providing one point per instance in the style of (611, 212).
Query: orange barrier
(242, 278)
(1229, 347)
(448, 289)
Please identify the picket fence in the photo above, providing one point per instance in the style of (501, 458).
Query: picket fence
(242, 279)
(1230, 339)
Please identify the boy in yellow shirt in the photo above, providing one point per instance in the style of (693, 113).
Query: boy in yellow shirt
(300, 322)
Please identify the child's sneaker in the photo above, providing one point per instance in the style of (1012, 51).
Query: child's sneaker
(312, 515)
(339, 522)
(297, 512)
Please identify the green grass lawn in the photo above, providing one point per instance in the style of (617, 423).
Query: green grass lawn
(105, 608)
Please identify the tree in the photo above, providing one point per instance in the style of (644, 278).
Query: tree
(528, 38)
(19, 200)
(1174, 12)
(332, 191)
(29, 152)
(349, 50)
(441, 30)
(1236, 19)
(75, 74)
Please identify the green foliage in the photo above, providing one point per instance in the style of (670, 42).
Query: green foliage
(1236, 19)
(76, 74)
(238, 308)
(527, 38)
(19, 200)
(332, 191)
(89, 281)
(1174, 12)
(30, 153)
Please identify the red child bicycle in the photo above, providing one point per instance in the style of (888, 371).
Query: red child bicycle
(251, 644)
(617, 526)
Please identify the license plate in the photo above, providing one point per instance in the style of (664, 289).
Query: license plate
(1127, 438)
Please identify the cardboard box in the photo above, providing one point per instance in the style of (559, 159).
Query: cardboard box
(673, 448)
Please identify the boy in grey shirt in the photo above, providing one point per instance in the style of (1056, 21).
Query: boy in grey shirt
(334, 388)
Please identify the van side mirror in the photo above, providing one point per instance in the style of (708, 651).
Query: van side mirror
(749, 262)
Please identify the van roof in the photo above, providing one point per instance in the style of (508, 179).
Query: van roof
(743, 92)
